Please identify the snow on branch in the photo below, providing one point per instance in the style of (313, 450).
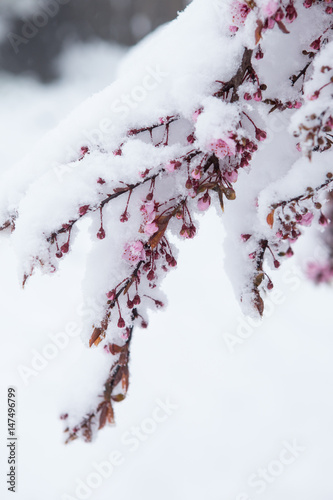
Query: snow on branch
(142, 169)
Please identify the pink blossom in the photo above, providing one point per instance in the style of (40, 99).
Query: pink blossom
(134, 252)
(306, 219)
(231, 176)
(151, 228)
(223, 147)
(270, 8)
(297, 105)
(239, 11)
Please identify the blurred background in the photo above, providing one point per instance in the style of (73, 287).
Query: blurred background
(56, 53)
(34, 32)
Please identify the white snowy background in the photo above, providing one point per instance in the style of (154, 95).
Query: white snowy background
(236, 407)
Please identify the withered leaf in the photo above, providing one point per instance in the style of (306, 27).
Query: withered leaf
(103, 416)
(162, 223)
(270, 219)
(258, 302)
(258, 31)
(118, 398)
(282, 27)
(220, 195)
(258, 279)
(120, 190)
(96, 336)
(124, 379)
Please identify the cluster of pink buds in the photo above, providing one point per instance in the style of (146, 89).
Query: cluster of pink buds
(246, 149)
(276, 14)
(308, 3)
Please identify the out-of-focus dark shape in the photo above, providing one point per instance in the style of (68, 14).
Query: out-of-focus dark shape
(34, 32)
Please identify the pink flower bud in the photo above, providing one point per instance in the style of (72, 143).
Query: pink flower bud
(196, 174)
(121, 323)
(257, 96)
(136, 300)
(289, 252)
(65, 248)
(111, 295)
(291, 13)
(151, 275)
(315, 45)
(306, 219)
(196, 115)
(314, 96)
(101, 234)
(247, 96)
(84, 209)
(323, 220)
(259, 55)
(204, 202)
(260, 135)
